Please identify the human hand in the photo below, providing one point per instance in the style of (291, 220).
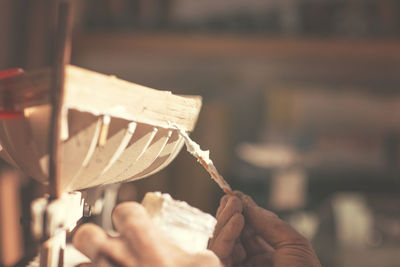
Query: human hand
(226, 242)
(140, 243)
(265, 240)
(269, 241)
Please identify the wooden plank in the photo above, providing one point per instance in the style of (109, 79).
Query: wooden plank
(126, 100)
(236, 46)
(101, 94)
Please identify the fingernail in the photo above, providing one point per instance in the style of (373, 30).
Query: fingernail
(237, 193)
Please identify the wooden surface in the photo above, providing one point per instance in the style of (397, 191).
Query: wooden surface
(96, 93)
(101, 94)
(250, 45)
(131, 150)
(61, 59)
(112, 130)
(160, 59)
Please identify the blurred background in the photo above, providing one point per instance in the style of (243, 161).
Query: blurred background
(301, 107)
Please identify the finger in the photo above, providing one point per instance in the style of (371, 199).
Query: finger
(273, 230)
(233, 205)
(253, 243)
(248, 232)
(262, 260)
(239, 253)
(92, 241)
(245, 198)
(88, 239)
(222, 204)
(225, 241)
(256, 245)
(134, 224)
(116, 252)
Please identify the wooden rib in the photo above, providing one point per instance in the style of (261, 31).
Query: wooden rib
(78, 150)
(64, 124)
(81, 128)
(104, 130)
(90, 174)
(93, 144)
(141, 159)
(124, 143)
(176, 147)
(160, 162)
(134, 148)
(149, 157)
(151, 138)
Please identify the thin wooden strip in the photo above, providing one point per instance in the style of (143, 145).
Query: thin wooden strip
(135, 154)
(162, 159)
(78, 151)
(137, 142)
(90, 174)
(141, 170)
(125, 141)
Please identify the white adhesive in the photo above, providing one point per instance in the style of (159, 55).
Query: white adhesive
(203, 156)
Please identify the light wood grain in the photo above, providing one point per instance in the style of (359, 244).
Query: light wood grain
(99, 94)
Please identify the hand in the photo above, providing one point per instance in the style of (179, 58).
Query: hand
(226, 243)
(265, 240)
(140, 243)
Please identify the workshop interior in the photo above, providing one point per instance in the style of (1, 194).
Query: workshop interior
(297, 101)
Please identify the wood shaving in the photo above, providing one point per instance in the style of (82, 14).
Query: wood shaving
(204, 158)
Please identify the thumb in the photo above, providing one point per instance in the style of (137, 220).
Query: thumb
(267, 224)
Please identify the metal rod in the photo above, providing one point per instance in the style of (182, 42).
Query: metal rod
(61, 58)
